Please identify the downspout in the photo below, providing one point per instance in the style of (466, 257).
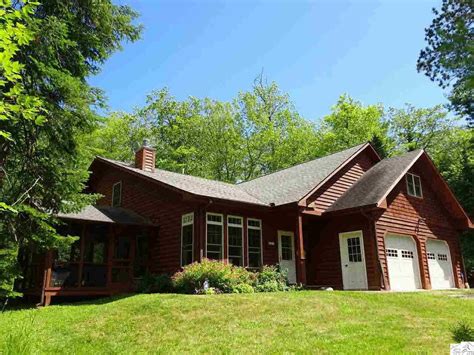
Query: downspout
(379, 262)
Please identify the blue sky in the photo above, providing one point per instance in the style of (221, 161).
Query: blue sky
(314, 50)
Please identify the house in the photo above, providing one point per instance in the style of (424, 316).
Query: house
(348, 220)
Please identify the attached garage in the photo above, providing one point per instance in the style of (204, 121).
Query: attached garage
(402, 263)
(439, 264)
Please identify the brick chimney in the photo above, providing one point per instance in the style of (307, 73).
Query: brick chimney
(145, 157)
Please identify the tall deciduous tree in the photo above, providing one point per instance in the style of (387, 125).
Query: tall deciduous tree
(257, 133)
(448, 59)
(417, 128)
(72, 39)
(351, 123)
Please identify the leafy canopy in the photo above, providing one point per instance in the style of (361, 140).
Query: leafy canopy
(448, 58)
(44, 170)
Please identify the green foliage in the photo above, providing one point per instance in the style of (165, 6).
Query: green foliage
(220, 276)
(350, 123)
(243, 288)
(418, 128)
(271, 279)
(50, 48)
(448, 59)
(462, 332)
(257, 133)
(226, 278)
(150, 283)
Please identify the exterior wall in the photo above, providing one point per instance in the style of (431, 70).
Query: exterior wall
(272, 222)
(162, 206)
(325, 253)
(165, 209)
(421, 218)
(342, 181)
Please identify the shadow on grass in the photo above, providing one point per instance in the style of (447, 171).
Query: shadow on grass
(21, 304)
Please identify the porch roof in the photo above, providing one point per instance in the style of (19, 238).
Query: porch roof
(106, 214)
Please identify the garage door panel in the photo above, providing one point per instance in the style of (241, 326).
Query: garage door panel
(439, 265)
(402, 263)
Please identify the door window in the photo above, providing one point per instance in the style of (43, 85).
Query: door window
(286, 247)
(353, 250)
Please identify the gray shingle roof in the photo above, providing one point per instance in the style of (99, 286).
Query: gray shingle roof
(106, 214)
(282, 187)
(194, 185)
(292, 184)
(376, 182)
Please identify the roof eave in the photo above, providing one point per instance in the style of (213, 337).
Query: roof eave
(186, 194)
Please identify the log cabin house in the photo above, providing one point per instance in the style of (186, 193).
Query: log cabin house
(348, 220)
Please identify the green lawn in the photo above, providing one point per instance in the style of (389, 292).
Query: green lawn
(307, 321)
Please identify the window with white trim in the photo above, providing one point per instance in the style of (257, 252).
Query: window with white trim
(431, 256)
(117, 194)
(235, 234)
(254, 235)
(214, 236)
(414, 185)
(187, 237)
(407, 254)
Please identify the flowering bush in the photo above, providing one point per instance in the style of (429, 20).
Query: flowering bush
(219, 276)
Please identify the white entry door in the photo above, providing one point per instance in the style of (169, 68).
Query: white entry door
(286, 254)
(354, 274)
(402, 263)
(440, 266)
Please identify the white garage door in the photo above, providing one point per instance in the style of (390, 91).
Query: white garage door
(402, 262)
(439, 263)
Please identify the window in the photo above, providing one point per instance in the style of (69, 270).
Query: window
(122, 247)
(431, 256)
(392, 253)
(187, 231)
(414, 185)
(117, 194)
(407, 254)
(443, 257)
(353, 249)
(235, 233)
(215, 237)
(254, 234)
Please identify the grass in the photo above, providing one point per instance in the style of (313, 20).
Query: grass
(307, 321)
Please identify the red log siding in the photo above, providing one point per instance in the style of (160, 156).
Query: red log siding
(160, 205)
(165, 208)
(325, 254)
(341, 182)
(421, 218)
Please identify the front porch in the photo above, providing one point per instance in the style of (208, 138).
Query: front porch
(108, 258)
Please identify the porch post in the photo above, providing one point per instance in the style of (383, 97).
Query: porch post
(300, 253)
(46, 297)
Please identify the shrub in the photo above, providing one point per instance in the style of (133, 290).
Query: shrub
(243, 288)
(220, 276)
(271, 279)
(155, 284)
(462, 332)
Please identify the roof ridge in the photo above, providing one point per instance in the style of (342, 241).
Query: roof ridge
(302, 163)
